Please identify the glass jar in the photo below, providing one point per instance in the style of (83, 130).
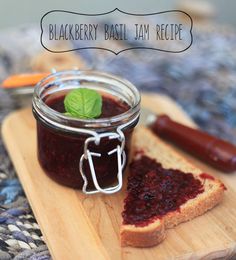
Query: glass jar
(88, 154)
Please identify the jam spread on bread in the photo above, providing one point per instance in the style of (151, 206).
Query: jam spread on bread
(154, 191)
(206, 176)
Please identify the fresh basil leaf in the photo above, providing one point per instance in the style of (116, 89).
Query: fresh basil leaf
(83, 103)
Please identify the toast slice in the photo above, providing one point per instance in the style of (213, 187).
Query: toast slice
(198, 191)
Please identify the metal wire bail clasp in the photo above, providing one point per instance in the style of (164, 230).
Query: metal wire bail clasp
(88, 155)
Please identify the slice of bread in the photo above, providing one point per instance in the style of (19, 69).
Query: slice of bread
(154, 232)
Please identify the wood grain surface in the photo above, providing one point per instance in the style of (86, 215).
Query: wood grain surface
(76, 226)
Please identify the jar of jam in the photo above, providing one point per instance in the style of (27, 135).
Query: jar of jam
(88, 154)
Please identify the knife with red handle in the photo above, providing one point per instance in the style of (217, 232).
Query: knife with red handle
(217, 152)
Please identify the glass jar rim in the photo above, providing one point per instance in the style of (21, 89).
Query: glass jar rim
(38, 103)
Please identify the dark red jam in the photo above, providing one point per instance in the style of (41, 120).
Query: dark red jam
(206, 176)
(59, 152)
(110, 106)
(154, 191)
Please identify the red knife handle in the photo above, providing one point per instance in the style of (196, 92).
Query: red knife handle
(218, 153)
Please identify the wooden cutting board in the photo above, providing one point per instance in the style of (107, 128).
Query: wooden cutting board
(76, 226)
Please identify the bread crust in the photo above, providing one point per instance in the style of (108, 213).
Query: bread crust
(155, 232)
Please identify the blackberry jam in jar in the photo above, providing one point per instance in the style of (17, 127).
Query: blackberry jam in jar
(88, 154)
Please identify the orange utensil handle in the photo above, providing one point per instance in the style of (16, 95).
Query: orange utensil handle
(23, 80)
